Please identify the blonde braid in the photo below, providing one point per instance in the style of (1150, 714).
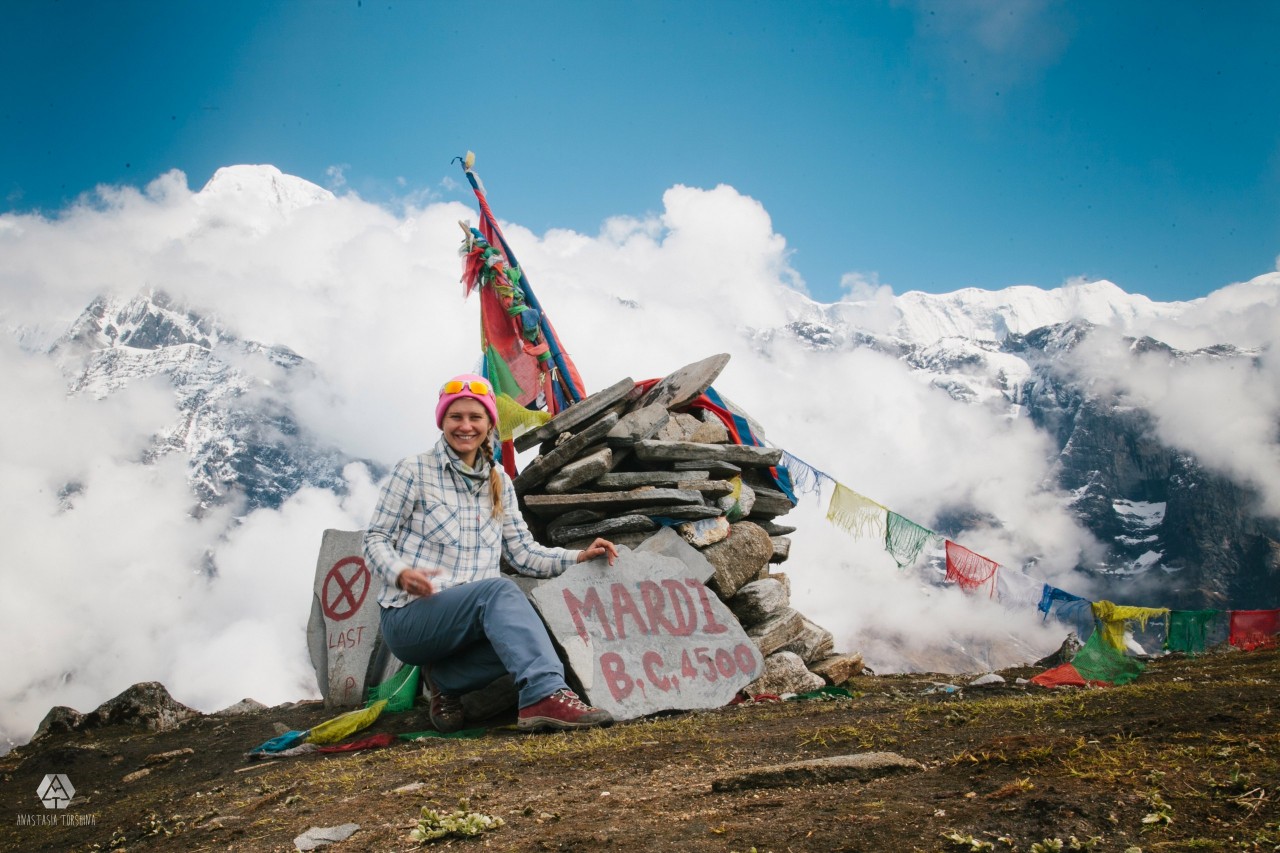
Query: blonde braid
(495, 476)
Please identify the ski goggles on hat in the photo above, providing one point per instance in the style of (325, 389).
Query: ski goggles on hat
(475, 386)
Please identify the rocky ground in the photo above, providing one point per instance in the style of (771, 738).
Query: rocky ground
(1185, 758)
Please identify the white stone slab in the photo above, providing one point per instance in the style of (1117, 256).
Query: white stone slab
(646, 635)
(682, 387)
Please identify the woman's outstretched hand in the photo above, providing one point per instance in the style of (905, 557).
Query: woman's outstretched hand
(597, 548)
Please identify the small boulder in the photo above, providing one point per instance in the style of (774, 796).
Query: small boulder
(1065, 653)
(244, 706)
(781, 577)
(777, 630)
(739, 506)
(573, 518)
(147, 704)
(838, 669)
(739, 558)
(712, 490)
(784, 672)
(704, 532)
(813, 642)
(773, 528)
(710, 432)
(770, 503)
(606, 527)
(631, 540)
(322, 836)
(714, 468)
(758, 600)
(59, 720)
(989, 679)
(679, 427)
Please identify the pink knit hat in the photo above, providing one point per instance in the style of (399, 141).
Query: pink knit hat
(466, 385)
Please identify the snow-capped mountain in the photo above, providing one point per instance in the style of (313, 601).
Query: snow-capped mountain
(234, 427)
(1164, 518)
(1153, 506)
(971, 314)
(254, 198)
(1158, 510)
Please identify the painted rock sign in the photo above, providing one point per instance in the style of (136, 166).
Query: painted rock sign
(646, 635)
(342, 633)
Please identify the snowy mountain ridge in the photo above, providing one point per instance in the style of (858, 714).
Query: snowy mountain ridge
(994, 315)
(262, 186)
(1152, 506)
(913, 317)
(234, 425)
(1010, 351)
(924, 319)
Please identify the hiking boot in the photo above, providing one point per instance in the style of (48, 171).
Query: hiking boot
(562, 710)
(447, 714)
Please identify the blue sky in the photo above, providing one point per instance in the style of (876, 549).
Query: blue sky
(927, 146)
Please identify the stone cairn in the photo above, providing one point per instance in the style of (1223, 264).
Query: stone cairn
(616, 462)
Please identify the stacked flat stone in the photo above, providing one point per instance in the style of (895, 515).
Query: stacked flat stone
(625, 461)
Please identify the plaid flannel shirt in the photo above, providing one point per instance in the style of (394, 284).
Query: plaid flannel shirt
(431, 515)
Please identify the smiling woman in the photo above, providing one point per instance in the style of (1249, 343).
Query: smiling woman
(444, 520)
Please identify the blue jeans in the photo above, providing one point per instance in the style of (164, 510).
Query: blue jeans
(467, 636)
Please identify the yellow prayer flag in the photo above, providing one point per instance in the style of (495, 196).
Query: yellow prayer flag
(344, 725)
(1114, 616)
(514, 418)
(856, 514)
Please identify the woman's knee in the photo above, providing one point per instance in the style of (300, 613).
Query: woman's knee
(501, 587)
(504, 597)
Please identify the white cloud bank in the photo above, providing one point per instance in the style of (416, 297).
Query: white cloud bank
(113, 590)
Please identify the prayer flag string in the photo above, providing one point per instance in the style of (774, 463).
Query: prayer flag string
(904, 540)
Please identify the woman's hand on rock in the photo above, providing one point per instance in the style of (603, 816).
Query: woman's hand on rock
(598, 548)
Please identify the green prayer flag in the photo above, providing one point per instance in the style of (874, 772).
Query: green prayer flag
(399, 690)
(500, 375)
(1188, 630)
(1098, 661)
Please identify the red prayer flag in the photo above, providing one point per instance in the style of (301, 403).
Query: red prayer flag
(368, 742)
(969, 570)
(1254, 629)
(1064, 675)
